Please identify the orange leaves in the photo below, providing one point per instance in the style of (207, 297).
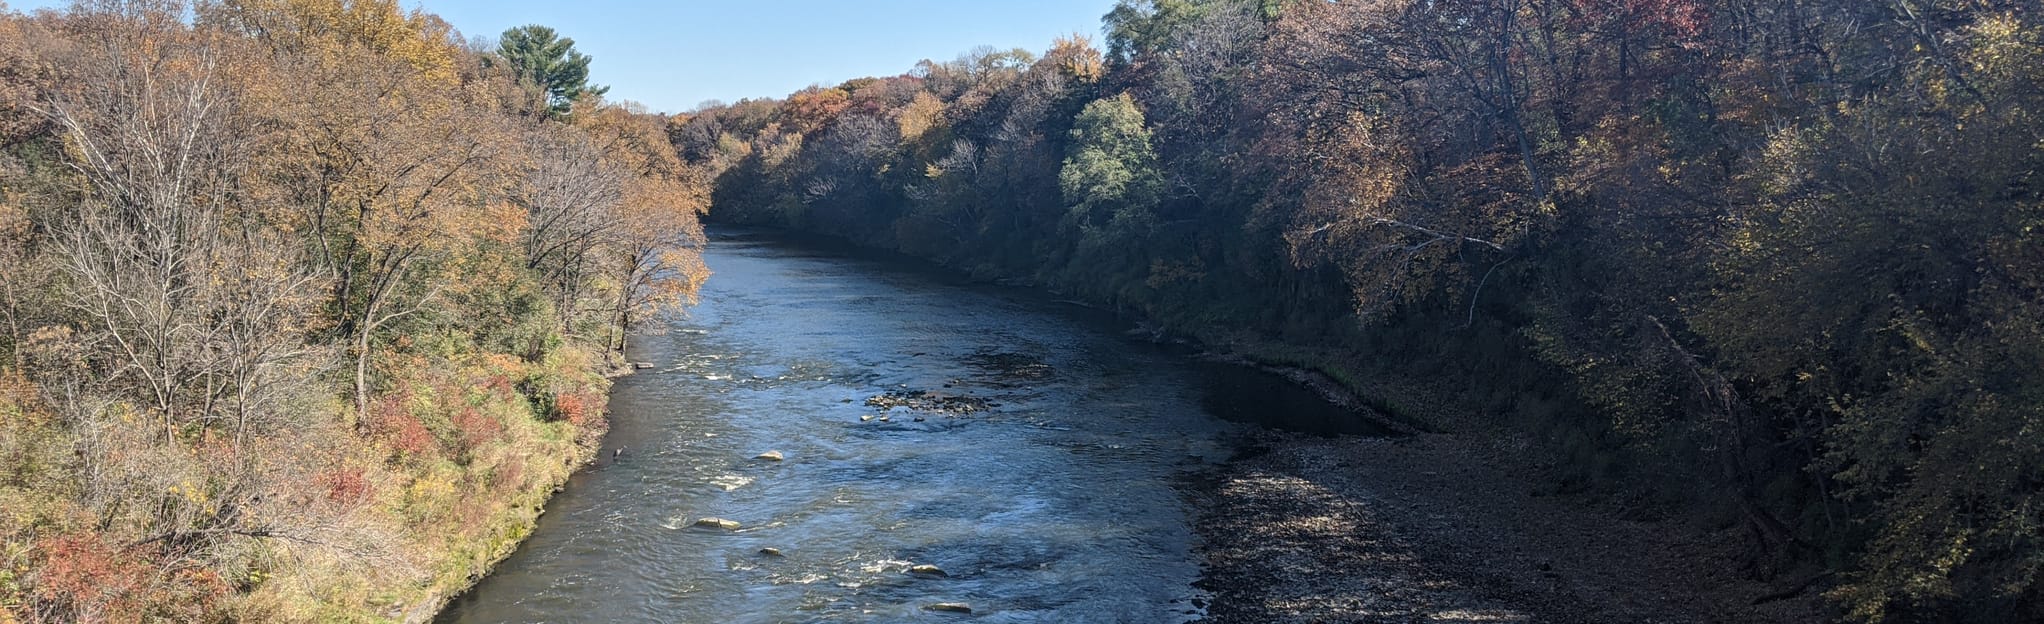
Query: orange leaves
(650, 228)
(347, 485)
(811, 109)
(626, 134)
(576, 409)
(328, 27)
(1077, 58)
(93, 577)
(501, 222)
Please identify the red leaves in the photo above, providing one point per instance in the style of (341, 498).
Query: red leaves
(345, 485)
(91, 578)
(393, 424)
(86, 577)
(473, 429)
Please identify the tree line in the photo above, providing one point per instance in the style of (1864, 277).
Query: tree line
(305, 303)
(1769, 266)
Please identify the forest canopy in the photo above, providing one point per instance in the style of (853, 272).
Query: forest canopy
(1770, 265)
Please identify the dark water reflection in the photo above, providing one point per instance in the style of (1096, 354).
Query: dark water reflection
(1055, 504)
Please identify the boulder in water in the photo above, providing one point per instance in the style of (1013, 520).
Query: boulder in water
(770, 552)
(769, 456)
(718, 523)
(949, 607)
(927, 570)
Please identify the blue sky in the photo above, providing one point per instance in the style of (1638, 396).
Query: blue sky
(672, 56)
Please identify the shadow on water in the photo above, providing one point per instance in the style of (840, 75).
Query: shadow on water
(1231, 391)
(1238, 393)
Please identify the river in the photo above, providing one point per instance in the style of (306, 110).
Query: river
(1025, 447)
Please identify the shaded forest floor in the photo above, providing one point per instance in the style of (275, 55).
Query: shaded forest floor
(1448, 528)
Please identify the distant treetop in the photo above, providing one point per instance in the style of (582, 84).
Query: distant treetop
(545, 61)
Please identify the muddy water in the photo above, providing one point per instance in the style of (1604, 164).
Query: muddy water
(1023, 446)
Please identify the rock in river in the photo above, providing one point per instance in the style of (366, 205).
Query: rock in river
(927, 570)
(770, 552)
(718, 523)
(769, 456)
(949, 607)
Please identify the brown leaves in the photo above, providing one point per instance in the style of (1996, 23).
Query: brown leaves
(809, 110)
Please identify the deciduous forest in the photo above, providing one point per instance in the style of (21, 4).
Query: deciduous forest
(305, 305)
(1769, 265)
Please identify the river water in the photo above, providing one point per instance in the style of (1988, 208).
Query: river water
(1024, 446)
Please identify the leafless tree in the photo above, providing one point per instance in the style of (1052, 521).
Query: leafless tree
(570, 194)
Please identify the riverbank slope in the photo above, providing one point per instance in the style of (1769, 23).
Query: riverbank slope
(1450, 528)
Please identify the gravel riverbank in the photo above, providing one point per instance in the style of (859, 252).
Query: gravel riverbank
(1445, 528)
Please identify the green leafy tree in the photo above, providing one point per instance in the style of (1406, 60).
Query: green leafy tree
(1110, 179)
(547, 62)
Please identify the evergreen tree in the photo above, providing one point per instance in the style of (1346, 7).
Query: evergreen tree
(545, 61)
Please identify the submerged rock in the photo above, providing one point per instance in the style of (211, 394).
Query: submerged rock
(769, 456)
(718, 523)
(770, 552)
(642, 365)
(926, 401)
(949, 607)
(927, 570)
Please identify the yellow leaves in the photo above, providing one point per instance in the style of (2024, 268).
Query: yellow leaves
(2005, 55)
(502, 222)
(629, 136)
(731, 149)
(777, 148)
(328, 28)
(1076, 57)
(921, 114)
(191, 493)
(431, 490)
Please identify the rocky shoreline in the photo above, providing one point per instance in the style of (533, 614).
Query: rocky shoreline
(1447, 528)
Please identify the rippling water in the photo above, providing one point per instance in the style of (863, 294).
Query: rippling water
(1054, 504)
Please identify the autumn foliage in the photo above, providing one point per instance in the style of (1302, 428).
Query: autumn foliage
(290, 294)
(1767, 267)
